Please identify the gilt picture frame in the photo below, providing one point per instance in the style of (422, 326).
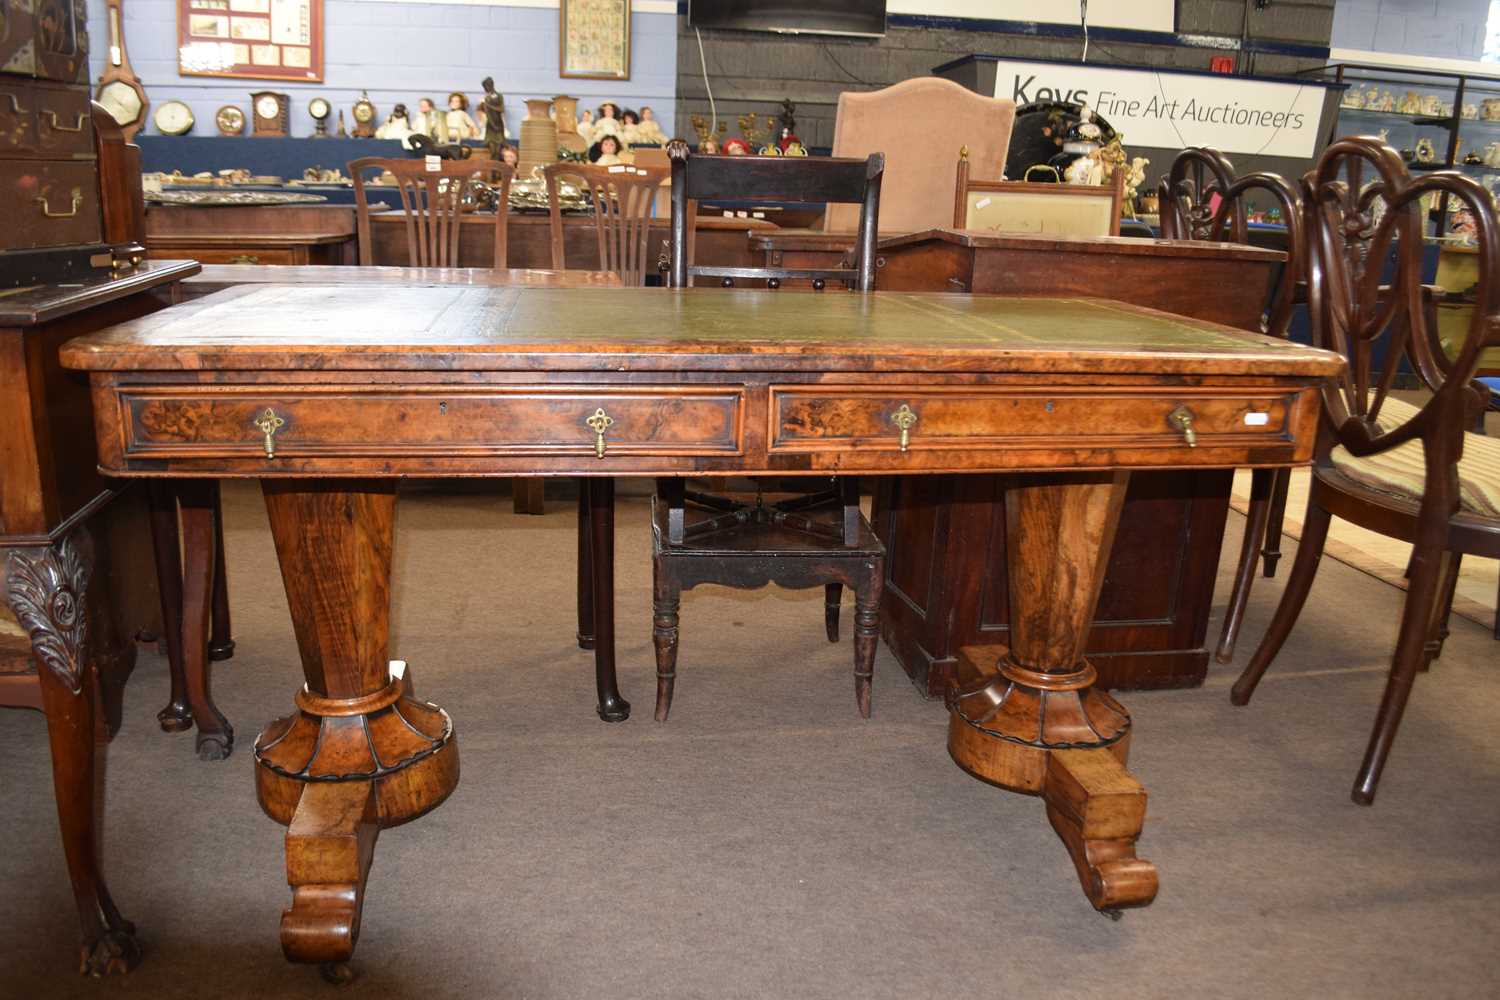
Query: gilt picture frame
(594, 39)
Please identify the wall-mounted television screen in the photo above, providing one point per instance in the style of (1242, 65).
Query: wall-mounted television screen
(821, 17)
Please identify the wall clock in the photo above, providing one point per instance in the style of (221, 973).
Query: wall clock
(120, 90)
(231, 120)
(270, 113)
(364, 117)
(319, 109)
(173, 118)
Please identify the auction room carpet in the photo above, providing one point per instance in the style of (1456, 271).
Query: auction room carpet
(767, 842)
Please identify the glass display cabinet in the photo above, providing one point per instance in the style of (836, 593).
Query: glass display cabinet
(1437, 120)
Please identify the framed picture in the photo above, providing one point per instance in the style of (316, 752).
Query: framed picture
(253, 39)
(594, 39)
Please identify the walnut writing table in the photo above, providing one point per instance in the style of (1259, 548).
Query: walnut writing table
(328, 395)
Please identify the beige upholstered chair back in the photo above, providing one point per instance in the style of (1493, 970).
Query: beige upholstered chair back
(919, 125)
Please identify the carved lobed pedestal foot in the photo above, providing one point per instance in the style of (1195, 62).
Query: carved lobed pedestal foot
(1069, 746)
(337, 772)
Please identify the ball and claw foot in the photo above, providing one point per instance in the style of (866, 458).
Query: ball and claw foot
(175, 718)
(114, 953)
(336, 973)
(215, 746)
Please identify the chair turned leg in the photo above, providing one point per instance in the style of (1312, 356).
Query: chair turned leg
(833, 597)
(1443, 611)
(1423, 605)
(666, 599)
(612, 706)
(221, 635)
(866, 636)
(1272, 552)
(1261, 483)
(1304, 568)
(585, 570)
(166, 544)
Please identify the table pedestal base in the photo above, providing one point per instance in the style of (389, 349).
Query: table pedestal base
(361, 753)
(1027, 717)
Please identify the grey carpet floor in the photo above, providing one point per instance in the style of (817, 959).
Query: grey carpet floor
(767, 842)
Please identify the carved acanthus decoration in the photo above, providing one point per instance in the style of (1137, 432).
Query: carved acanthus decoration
(47, 589)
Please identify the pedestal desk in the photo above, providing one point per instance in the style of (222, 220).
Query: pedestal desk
(328, 395)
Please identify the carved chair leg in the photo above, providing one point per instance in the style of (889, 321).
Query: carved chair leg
(1444, 611)
(167, 546)
(48, 589)
(1423, 605)
(666, 599)
(1261, 484)
(612, 707)
(221, 633)
(196, 497)
(1271, 554)
(833, 597)
(867, 633)
(1309, 554)
(585, 570)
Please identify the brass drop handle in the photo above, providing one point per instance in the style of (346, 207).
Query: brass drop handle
(15, 105)
(244, 258)
(1181, 419)
(58, 126)
(41, 199)
(598, 423)
(269, 423)
(903, 418)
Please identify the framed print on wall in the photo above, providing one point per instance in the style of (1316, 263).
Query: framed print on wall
(594, 39)
(253, 39)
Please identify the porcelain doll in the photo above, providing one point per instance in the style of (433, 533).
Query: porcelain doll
(708, 147)
(649, 128)
(510, 156)
(736, 147)
(426, 120)
(606, 152)
(630, 123)
(608, 121)
(586, 126)
(457, 125)
(397, 126)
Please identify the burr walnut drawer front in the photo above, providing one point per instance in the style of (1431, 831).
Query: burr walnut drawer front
(818, 418)
(180, 422)
(49, 203)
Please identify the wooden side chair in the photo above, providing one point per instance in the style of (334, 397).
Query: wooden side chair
(1417, 474)
(434, 204)
(812, 539)
(623, 197)
(1201, 199)
(1047, 209)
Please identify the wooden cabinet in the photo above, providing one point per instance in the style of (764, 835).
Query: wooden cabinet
(946, 584)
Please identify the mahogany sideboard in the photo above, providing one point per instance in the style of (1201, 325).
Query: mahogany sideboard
(329, 395)
(75, 548)
(945, 536)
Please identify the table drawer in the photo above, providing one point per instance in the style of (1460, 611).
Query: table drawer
(17, 117)
(181, 422)
(63, 126)
(213, 255)
(819, 418)
(49, 203)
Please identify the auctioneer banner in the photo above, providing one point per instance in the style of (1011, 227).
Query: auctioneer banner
(1233, 114)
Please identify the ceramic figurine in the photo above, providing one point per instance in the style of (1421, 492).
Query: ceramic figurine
(1411, 104)
(1353, 98)
(1432, 104)
(492, 107)
(1492, 155)
(736, 147)
(1426, 153)
(1085, 169)
(397, 126)
(1135, 177)
(1387, 101)
(457, 125)
(1471, 111)
(1489, 109)
(649, 128)
(794, 148)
